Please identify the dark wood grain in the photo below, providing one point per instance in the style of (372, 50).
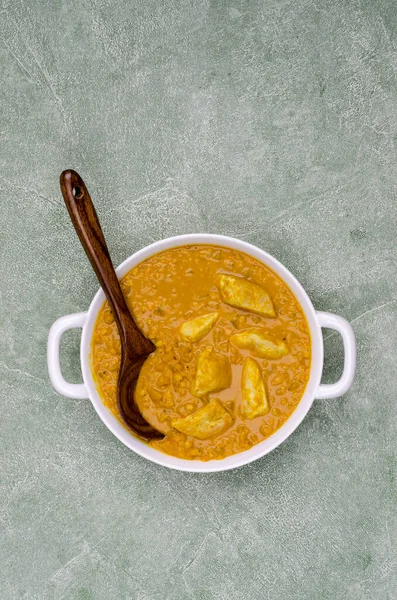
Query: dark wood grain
(135, 347)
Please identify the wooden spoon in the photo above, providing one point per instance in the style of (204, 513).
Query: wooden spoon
(135, 347)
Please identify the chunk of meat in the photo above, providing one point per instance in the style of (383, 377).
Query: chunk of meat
(210, 420)
(260, 343)
(254, 399)
(213, 373)
(195, 329)
(241, 293)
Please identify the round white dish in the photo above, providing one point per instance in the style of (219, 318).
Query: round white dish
(314, 389)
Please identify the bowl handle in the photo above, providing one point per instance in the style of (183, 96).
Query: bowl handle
(343, 327)
(71, 390)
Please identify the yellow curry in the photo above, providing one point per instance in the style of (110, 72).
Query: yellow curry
(233, 350)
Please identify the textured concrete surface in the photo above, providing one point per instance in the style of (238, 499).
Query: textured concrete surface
(274, 121)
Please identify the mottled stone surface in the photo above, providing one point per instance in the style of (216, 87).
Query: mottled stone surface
(273, 121)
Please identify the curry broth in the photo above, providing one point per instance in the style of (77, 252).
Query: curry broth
(178, 285)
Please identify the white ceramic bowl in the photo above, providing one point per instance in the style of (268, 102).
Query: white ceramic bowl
(314, 389)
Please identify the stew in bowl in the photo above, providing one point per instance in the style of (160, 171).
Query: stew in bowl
(238, 359)
(233, 350)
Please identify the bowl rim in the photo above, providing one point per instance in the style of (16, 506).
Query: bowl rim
(257, 451)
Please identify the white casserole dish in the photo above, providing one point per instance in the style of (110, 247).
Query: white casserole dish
(316, 320)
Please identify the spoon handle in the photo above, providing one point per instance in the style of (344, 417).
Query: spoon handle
(86, 224)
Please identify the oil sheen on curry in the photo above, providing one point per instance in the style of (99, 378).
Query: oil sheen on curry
(233, 350)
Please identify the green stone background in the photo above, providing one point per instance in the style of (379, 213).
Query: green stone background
(273, 121)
